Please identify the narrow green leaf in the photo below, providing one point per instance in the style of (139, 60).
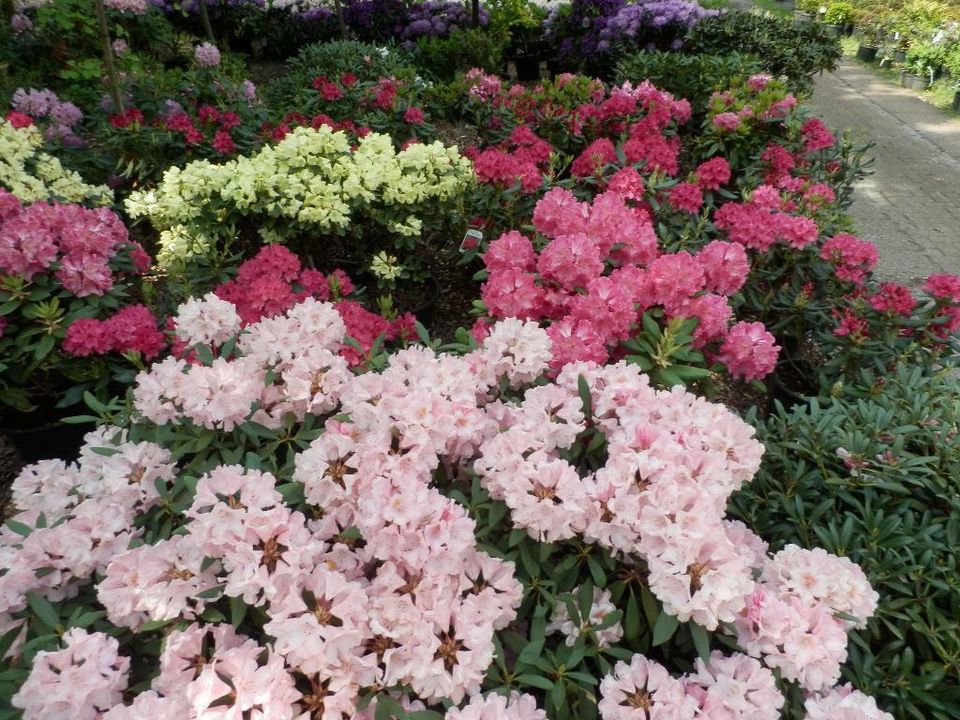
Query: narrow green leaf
(664, 628)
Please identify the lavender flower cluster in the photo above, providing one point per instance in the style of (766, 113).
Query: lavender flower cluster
(576, 28)
(61, 117)
(650, 20)
(437, 18)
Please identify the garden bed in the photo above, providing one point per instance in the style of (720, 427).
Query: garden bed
(304, 500)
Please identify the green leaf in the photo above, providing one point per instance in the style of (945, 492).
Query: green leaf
(583, 387)
(631, 620)
(238, 611)
(44, 610)
(701, 640)
(537, 681)
(19, 528)
(664, 628)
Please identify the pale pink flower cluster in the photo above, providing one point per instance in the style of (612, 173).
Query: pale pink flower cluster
(817, 577)
(414, 602)
(79, 517)
(735, 687)
(298, 350)
(805, 642)
(136, 7)
(213, 672)
(560, 620)
(516, 706)
(844, 703)
(207, 55)
(207, 320)
(591, 309)
(673, 460)
(728, 688)
(80, 682)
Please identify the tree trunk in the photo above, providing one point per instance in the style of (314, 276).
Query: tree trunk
(205, 19)
(112, 78)
(476, 13)
(9, 10)
(341, 23)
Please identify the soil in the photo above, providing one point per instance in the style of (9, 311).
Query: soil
(10, 464)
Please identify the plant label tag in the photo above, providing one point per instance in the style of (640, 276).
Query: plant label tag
(471, 240)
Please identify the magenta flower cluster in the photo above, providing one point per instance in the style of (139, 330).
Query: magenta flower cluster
(76, 245)
(592, 309)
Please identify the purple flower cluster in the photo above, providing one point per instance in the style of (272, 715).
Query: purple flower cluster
(62, 117)
(651, 21)
(437, 18)
(577, 27)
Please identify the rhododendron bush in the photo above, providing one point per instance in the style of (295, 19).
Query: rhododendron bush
(264, 533)
(68, 305)
(312, 182)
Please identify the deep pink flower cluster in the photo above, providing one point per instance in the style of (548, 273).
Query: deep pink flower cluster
(76, 243)
(592, 309)
(760, 222)
(852, 258)
(523, 158)
(132, 329)
(816, 135)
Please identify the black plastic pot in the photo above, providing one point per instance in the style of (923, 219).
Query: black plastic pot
(867, 53)
(528, 67)
(899, 56)
(834, 30)
(801, 16)
(50, 440)
(913, 82)
(956, 101)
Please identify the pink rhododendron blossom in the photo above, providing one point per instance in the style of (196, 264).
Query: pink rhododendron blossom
(843, 703)
(494, 706)
(592, 160)
(749, 351)
(853, 259)
(686, 197)
(737, 686)
(816, 135)
(560, 621)
(725, 266)
(943, 286)
(80, 682)
(713, 173)
(207, 55)
(818, 578)
(726, 121)
(644, 690)
(559, 213)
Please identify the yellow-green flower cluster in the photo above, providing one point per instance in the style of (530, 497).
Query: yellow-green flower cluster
(313, 180)
(33, 175)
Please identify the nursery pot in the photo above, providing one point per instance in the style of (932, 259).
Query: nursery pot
(528, 68)
(913, 82)
(41, 435)
(834, 30)
(790, 384)
(899, 56)
(801, 16)
(867, 53)
(956, 101)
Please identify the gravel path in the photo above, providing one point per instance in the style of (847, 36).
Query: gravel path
(910, 206)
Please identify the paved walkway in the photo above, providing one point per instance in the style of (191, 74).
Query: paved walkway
(910, 206)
